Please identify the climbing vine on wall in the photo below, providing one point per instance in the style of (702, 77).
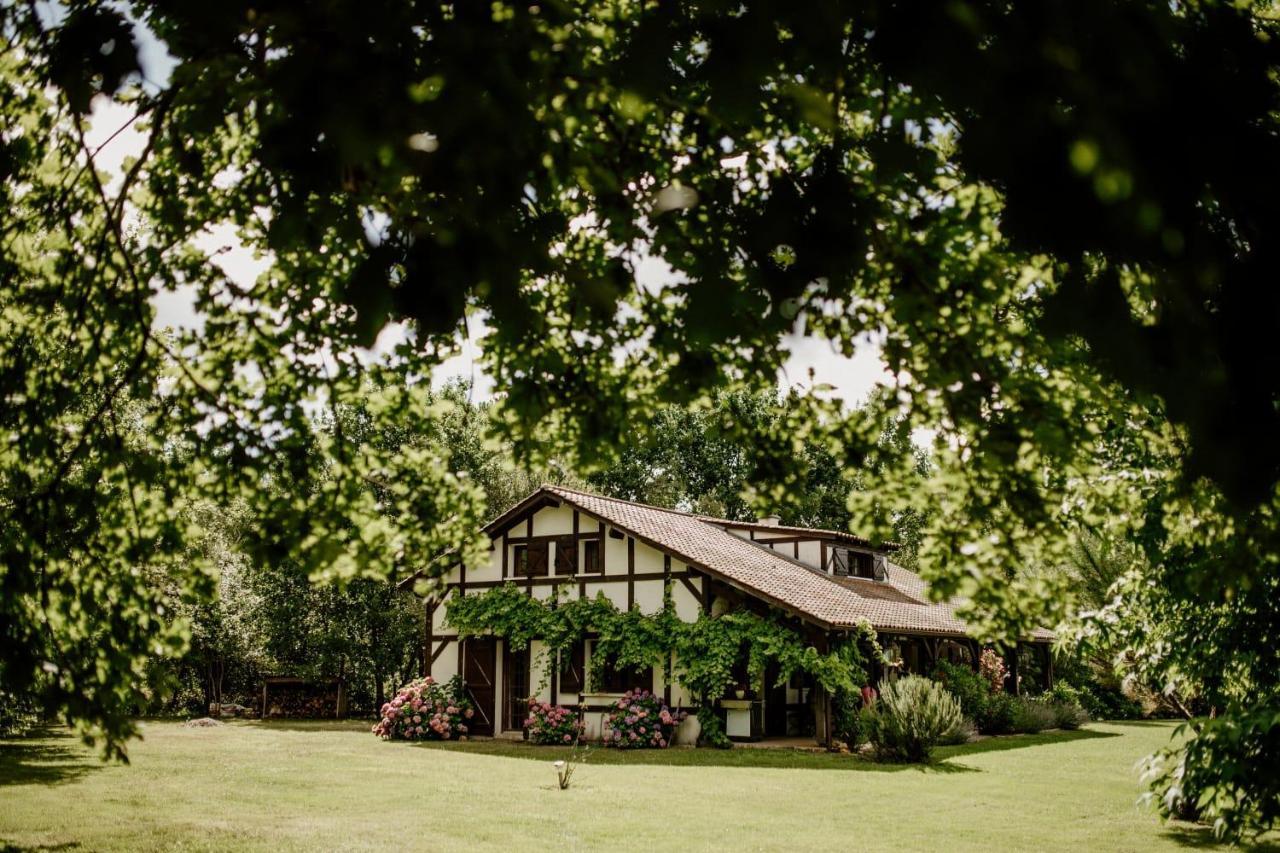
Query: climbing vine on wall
(701, 654)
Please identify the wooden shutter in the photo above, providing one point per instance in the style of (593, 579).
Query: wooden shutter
(566, 556)
(882, 567)
(572, 671)
(840, 561)
(537, 565)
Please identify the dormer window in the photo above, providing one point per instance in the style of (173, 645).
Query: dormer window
(846, 562)
(863, 564)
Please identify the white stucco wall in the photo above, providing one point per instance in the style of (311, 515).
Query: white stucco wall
(647, 596)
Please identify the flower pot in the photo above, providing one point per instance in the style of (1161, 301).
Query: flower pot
(688, 732)
(740, 694)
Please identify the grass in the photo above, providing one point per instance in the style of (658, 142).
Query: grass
(275, 786)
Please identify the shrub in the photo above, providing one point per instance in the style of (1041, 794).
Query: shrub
(847, 718)
(961, 733)
(992, 711)
(1065, 702)
(999, 716)
(911, 717)
(991, 668)
(971, 690)
(551, 724)
(1108, 703)
(640, 720)
(426, 710)
(1031, 716)
(18, 714)
(1067, 715)
(712, 733)
(1062, 692)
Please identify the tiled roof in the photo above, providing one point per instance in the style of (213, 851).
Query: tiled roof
(814, 532)
(771, 576)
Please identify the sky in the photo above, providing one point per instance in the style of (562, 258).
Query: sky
(114, 139)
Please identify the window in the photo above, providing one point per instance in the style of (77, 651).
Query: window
(863, 564)
(612, 679)
(572, 669)
(591, 556)
(531, 560)
(846, 562)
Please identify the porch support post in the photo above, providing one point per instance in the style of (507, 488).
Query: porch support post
(824, 728)
(1011, 658)
(831, 734)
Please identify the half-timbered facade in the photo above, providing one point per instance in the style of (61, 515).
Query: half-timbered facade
(584, 544)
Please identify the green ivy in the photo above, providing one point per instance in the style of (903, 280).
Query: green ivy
(700, 655)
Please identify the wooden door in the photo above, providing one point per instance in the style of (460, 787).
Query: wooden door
(515, 688)
(775, 704)
(479, 662)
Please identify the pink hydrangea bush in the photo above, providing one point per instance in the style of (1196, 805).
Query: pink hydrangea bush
(426, 710)
(552, 724)
(640, 720)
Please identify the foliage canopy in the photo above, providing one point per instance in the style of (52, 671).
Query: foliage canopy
(1055, 218)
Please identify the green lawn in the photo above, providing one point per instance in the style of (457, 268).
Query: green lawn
(327, 785)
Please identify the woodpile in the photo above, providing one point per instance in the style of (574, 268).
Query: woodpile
(296, 698)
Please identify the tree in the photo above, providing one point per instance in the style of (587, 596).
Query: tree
(226, 629)
(1010, 196)
(710, 460)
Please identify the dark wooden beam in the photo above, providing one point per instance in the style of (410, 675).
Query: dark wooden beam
(631, 573)
(697, 595)
(551, 537)
(444, 644)
(565, 579)
(429, 631)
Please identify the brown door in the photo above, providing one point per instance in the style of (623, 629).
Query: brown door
(515, 688)
(479, 656)
(775, 704)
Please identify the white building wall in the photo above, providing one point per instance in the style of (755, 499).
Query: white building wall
(647, 596)
(811, 553)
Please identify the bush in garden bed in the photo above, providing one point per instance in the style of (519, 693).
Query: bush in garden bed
(551, 724)
(911, 717)
(1032, 716)
(426, 710)
(640, 720)
(998, 713)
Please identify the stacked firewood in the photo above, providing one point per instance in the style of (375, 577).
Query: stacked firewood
(301, 702)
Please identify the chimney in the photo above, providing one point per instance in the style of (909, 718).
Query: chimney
(769, 520)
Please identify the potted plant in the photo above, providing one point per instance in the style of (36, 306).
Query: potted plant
(740, 691)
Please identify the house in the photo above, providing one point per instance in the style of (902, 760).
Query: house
(827, 582)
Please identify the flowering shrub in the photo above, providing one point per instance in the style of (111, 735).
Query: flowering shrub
(991, 668)
(640, 720)
(426, 710)
(551, 724)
